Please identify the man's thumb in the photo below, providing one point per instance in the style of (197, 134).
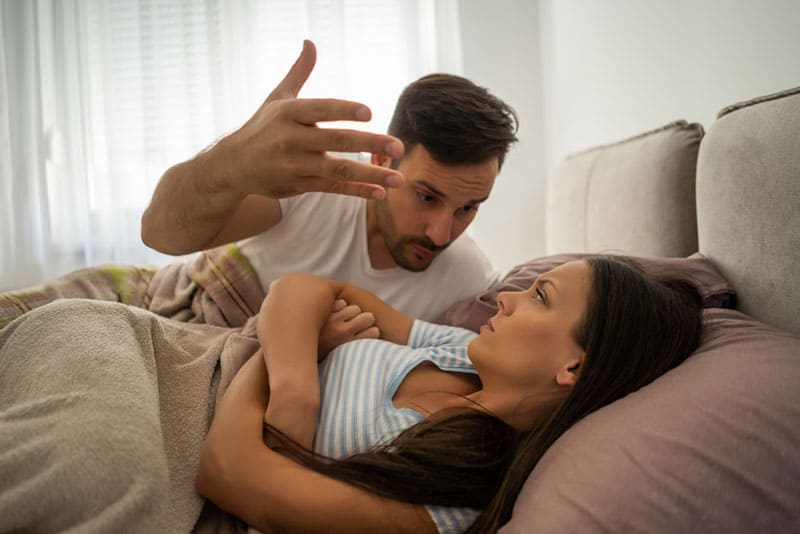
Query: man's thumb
(296, 77)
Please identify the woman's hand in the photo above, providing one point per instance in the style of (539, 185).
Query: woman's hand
(346, 323)
(292, 316)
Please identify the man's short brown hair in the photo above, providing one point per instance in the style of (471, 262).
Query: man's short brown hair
(457, 121)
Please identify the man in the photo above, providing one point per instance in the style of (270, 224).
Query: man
(395, 228)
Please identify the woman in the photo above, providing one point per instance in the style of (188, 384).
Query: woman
(438, 428)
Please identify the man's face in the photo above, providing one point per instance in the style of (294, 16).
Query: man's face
(432, 208)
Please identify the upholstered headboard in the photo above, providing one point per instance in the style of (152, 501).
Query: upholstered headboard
(712, 444)
(635, 196)
(748, 204)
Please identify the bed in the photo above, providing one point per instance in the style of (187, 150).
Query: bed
(710, 446)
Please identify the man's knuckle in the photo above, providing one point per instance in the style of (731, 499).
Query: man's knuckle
(336, 188)
(341, 142)
(341, 171)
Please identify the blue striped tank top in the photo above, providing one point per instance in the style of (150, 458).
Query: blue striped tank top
(357, 383)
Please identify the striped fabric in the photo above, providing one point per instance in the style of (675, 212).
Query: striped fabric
(217, 287)
(359, 379)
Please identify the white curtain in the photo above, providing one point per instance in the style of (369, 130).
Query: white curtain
(99, 97)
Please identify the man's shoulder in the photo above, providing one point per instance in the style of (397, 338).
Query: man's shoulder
(320, 203)
(464, 263)
(464, 253)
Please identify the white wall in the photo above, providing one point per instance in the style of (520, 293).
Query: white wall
(500, 51)
(615, 68)
(605, 70)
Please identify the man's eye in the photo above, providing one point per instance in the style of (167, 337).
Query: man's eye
(470, 208)
(425, 197)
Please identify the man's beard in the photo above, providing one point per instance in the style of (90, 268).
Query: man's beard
(398, 245)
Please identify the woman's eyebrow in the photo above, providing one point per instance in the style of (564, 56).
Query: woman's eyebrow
(548, 281)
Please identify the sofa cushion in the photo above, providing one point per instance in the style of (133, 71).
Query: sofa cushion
(748, 204)
(711, 446)
(635, 196)
(473, 312)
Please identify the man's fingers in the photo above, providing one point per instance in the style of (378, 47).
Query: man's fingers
(313, 110)
(353, 189)
(339, 304)
(344, 140)
(296, 77)
(331, 174)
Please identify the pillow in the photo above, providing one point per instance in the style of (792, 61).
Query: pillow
(710, 446)
(473, 312)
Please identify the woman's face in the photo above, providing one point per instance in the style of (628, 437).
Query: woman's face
(523, 348)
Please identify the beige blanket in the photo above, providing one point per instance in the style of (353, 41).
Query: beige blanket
(103, 410)
(217, 286)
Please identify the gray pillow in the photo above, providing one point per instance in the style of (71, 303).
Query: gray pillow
(472, 312)
(711, 446)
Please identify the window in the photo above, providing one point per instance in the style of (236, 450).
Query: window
(119, 90)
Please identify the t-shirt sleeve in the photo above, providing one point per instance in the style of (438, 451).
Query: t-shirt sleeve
(451, 520)
(288, 203)
(424, 335)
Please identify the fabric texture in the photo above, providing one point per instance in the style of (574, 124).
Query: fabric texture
(117, 400)
(748, 204)
(326, 235)
(623, 196)
(103, 411)
(473, 312)
(218, 287)
(711, 445)
(358, 381)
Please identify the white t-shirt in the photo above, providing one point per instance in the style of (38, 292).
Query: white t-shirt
(326, 235)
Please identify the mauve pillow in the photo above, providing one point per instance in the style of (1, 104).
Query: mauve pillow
(473, 312)
(711, 446)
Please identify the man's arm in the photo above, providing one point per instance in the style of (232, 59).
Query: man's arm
(272, 493)
(229, 191)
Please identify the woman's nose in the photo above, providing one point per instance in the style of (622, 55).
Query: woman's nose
(504, 302)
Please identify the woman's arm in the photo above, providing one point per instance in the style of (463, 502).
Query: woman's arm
(296, 308)
(243, 476)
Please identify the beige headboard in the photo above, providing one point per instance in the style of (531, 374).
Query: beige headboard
(635, 196)
(748, 204)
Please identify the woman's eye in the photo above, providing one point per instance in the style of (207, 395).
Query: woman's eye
(540, 296)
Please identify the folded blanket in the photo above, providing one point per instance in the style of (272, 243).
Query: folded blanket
(218, 287)
(103, 411)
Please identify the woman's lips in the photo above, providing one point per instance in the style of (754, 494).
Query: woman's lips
(489, 325)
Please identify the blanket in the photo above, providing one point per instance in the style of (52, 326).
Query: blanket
(217, 287)
(103, 411)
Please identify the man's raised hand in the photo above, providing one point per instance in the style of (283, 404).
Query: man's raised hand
(280, 151)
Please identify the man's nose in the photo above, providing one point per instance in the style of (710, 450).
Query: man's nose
(440, 228)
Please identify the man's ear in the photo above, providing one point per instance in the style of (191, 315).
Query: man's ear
(568, 374)
(381, 160)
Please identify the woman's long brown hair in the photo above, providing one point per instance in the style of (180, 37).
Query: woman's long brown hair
(637, 327)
